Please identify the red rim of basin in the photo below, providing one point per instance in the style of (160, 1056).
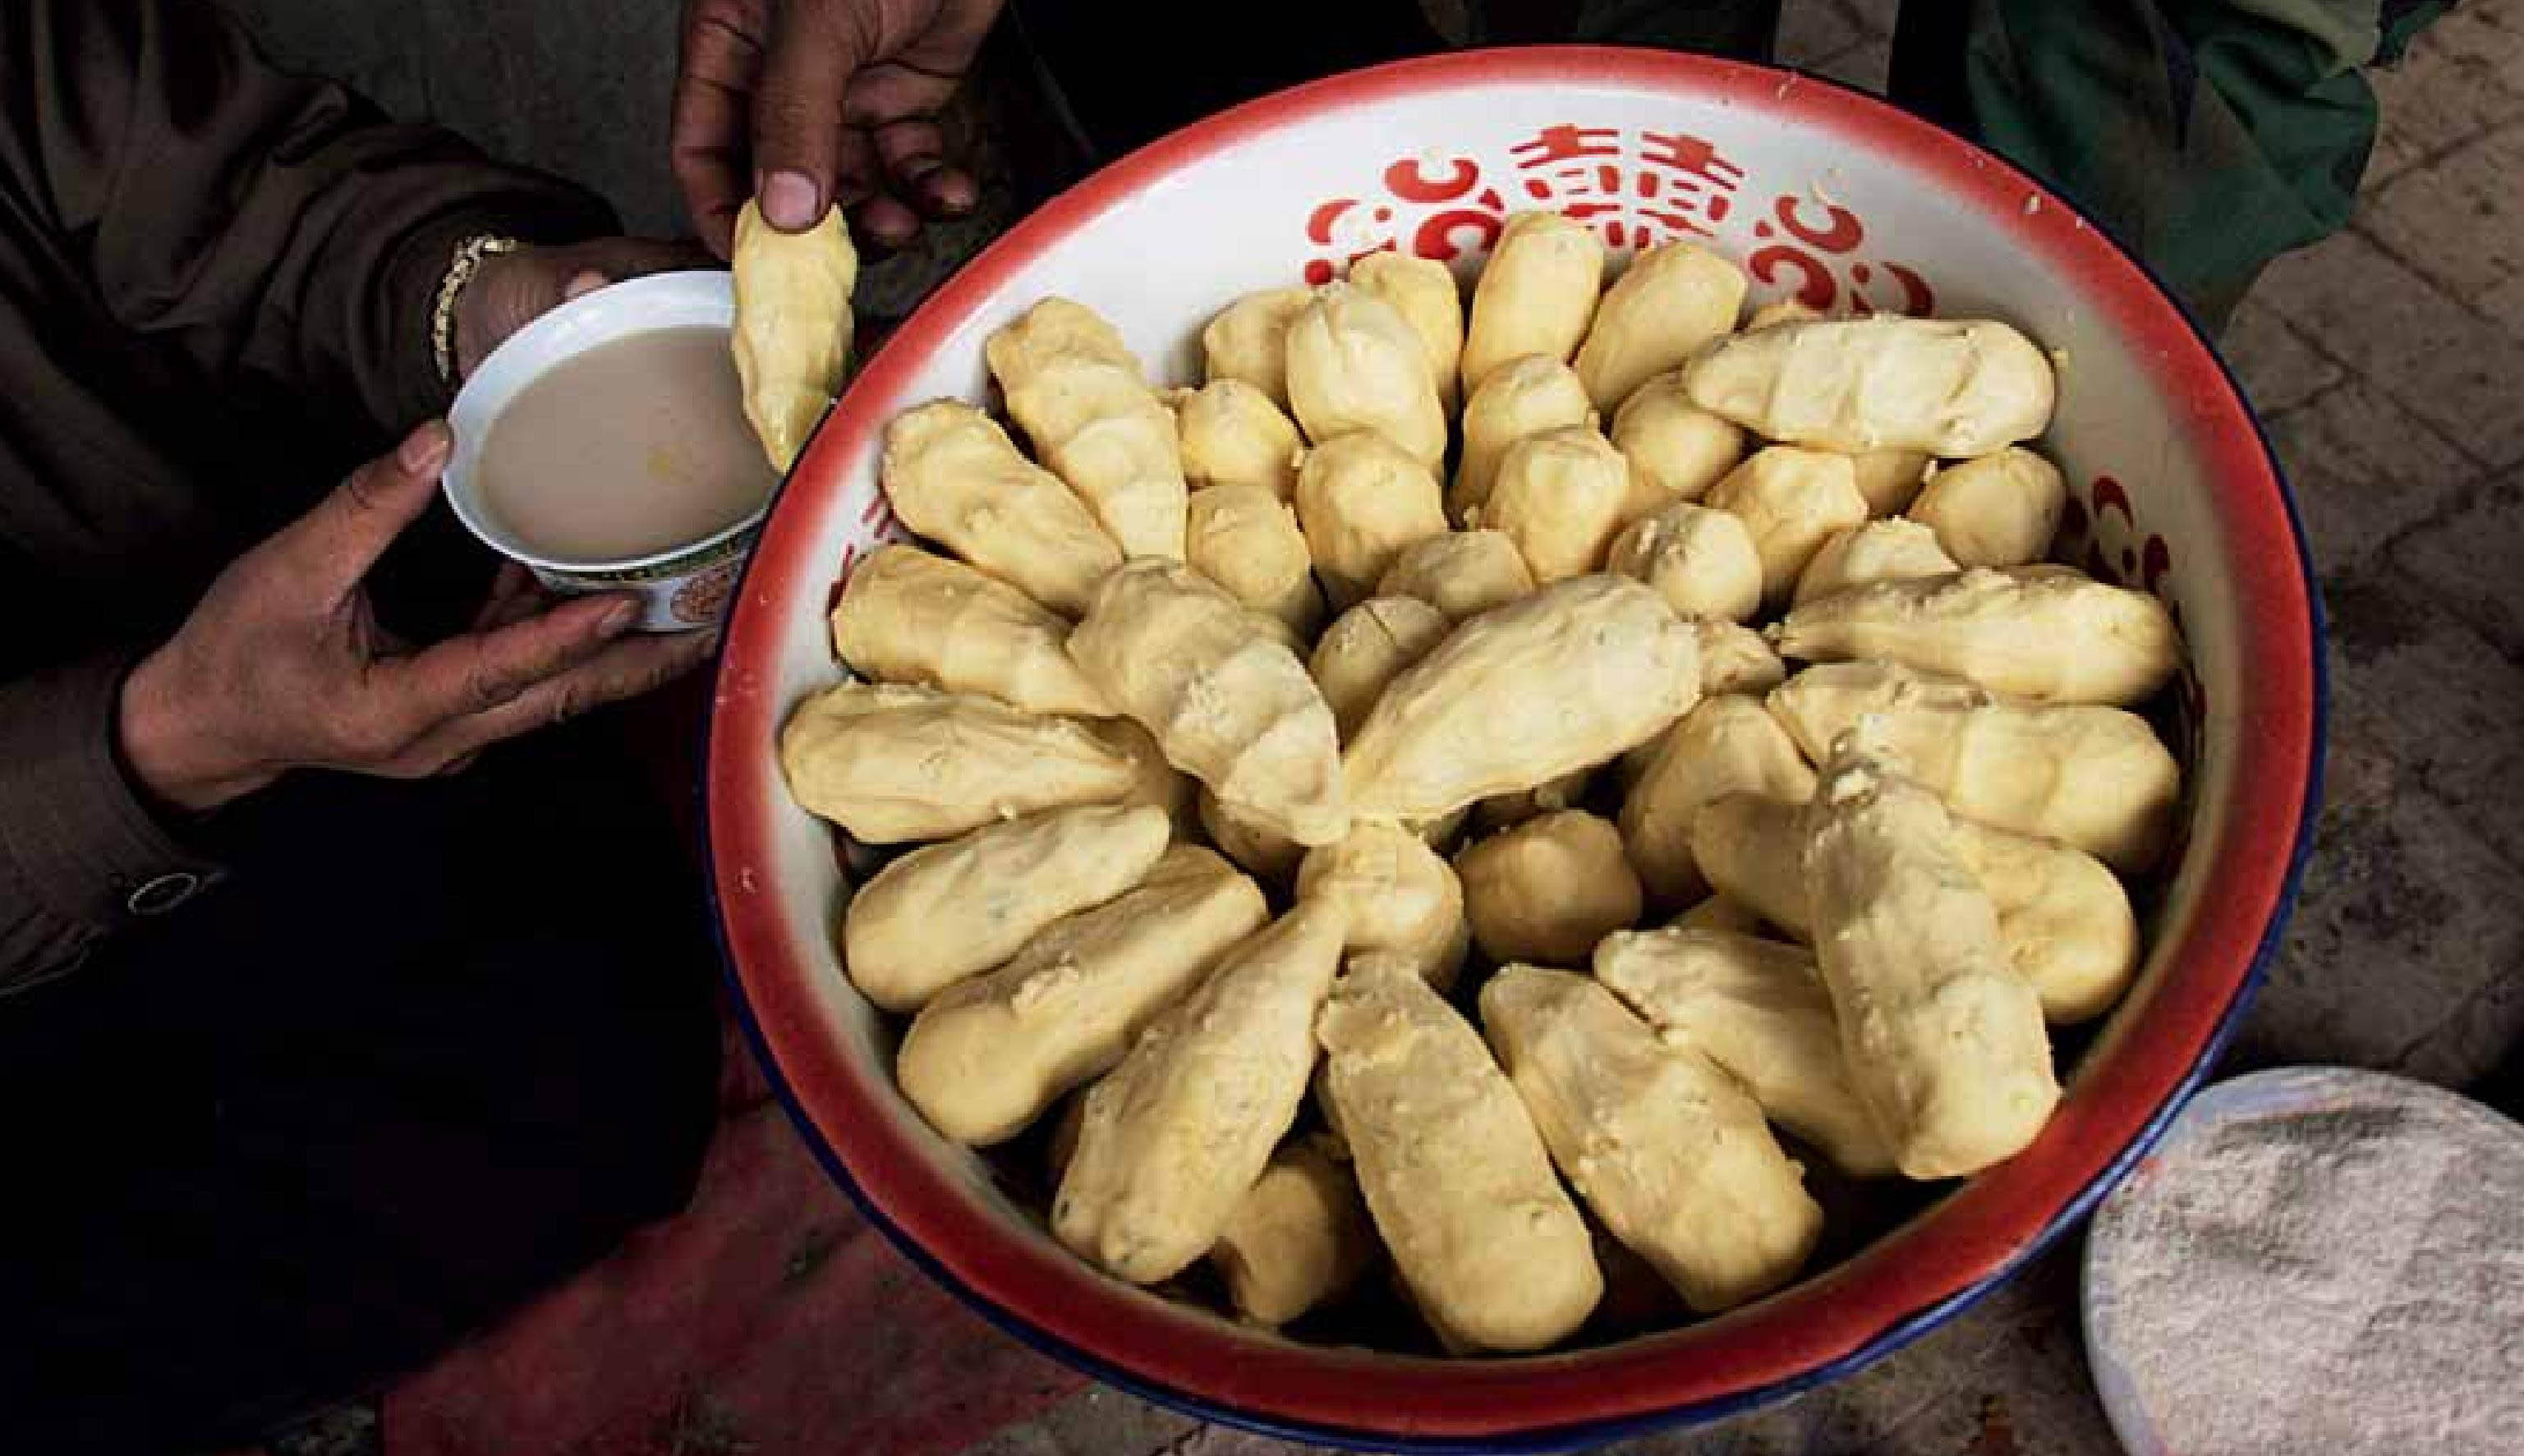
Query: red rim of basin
(1888, 1293)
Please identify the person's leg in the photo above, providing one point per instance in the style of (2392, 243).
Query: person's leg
(433, 1047)
(2211, 136)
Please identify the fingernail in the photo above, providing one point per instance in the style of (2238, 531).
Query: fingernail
(956, 193)
(618, 622)
(424, 450)
(790, 201)
(583, 282)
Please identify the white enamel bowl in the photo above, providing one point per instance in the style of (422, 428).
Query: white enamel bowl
(1819, 191)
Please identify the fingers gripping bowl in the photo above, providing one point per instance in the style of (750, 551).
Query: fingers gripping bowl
(1820, 194)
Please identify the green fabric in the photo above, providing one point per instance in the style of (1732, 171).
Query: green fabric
(2211, 137)
(2403, 23)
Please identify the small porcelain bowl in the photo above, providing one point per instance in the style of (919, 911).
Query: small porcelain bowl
(1821, 193)
(679, 590)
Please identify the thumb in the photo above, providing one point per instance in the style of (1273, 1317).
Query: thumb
(798, 112)
(338, 541)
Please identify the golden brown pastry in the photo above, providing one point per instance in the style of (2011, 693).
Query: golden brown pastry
(953, 476)
(1176, 1134)
(907, 616)
(1945, 387)
(1669, 301)
(1355, 363)
(1299, 1238)
(1227, 700)
(1536, 295)
(1079, 395)
(1548, 888)
(1397, 896)
(1757, 1008)
(1366, 647)
(1666, 1149)
(1942, 1038)
(1242, 537)
(2045, 633)
(1564, 679)
(2096, 778)
(1231, 433)
(892, 763)
(1489, 1248)
(792, 338)
(987, 1056)
(956, 909)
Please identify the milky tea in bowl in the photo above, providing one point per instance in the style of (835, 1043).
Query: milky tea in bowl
(606, 447)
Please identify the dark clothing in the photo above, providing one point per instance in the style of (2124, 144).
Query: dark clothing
(432, 1046)
(215, 290)
(2210, 137)
(428, 1047)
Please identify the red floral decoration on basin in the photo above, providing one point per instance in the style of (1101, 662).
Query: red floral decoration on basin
(1638, 188)
(2101, 535)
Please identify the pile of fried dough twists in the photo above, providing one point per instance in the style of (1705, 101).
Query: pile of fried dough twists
(1481, 871)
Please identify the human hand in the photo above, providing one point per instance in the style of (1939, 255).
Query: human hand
(510, 290)
(282, 664)
(805, 103)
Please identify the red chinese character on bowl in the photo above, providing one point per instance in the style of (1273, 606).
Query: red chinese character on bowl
(1810, 239)
(1638, 188)
(1641, 188)
(1440, 212)
(2099, 534)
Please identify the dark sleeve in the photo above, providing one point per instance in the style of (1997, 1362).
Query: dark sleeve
(276, 229)
(280, 235)
(80, 854)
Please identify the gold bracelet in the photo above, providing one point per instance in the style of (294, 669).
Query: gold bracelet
(442, 313)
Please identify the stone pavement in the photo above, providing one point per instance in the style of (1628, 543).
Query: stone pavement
(2389, 366)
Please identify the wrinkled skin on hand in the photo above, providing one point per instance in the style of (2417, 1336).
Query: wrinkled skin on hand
(283, 665)
(810, 103)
